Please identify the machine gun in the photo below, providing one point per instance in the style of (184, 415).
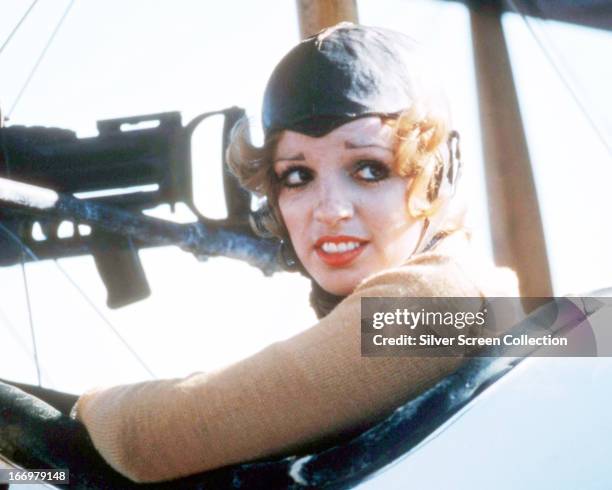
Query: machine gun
(120, 169)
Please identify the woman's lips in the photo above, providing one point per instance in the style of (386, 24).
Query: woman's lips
(339, 251)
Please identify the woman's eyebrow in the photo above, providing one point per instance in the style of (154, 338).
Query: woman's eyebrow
(298, 157)
(349, 145)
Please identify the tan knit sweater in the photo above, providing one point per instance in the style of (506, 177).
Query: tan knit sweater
(294, 393)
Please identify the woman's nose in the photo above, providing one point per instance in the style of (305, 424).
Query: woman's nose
(333, 207)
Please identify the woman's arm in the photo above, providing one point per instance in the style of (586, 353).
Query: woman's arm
(313, 386)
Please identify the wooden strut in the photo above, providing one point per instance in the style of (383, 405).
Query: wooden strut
(314, 15)
(516, 225)
(202, 238)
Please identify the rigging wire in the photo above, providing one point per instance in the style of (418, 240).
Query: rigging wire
(592, 123)
(14, 31)
(101, 315)
(28, 251)
(40, 58)
(25, 248)
(30, 319)
(4, 319)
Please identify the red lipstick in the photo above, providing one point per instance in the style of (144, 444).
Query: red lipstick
(339, 251)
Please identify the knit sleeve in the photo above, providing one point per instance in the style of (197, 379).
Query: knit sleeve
(289, 396)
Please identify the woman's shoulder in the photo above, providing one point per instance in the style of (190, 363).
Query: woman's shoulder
(450, 268)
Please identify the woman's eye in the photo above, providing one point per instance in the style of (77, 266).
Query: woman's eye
(371, 171)
(295, 177)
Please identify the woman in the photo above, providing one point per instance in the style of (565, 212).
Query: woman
(359, 169)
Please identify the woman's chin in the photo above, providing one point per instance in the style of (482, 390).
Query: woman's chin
(340, 286)
(340, 281)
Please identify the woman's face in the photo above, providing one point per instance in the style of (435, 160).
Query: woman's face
(342, 203)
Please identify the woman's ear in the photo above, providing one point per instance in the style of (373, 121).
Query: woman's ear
(423, 193)
(436, 183)
(453, 172)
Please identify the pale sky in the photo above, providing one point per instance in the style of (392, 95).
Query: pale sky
(120, 58)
